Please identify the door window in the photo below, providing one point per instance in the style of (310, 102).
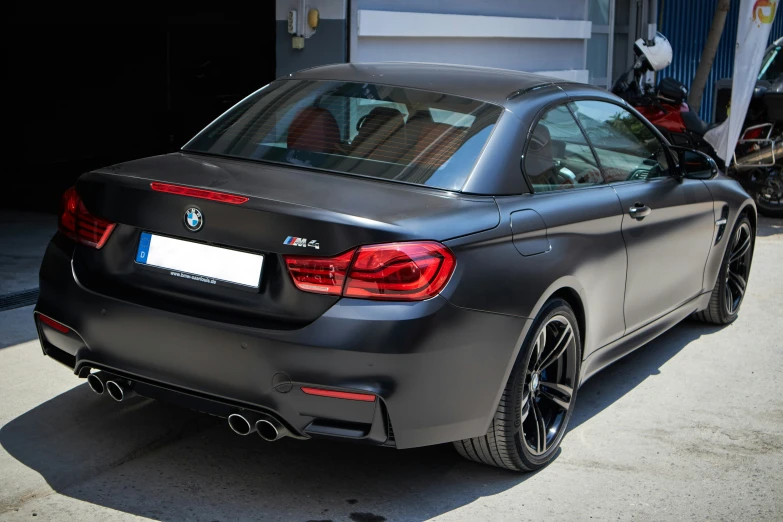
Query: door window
(626, 147)
(558, 155)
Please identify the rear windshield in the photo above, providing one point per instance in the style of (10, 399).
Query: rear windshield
(380, 131)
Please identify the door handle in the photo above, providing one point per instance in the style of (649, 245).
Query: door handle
(639, 210)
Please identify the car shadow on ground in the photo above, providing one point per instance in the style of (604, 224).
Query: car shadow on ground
(18, 326)
(123, 456)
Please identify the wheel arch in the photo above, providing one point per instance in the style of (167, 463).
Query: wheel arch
(750, 210)
(574, 300)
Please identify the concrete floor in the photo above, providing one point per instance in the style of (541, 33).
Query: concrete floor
(689, 427)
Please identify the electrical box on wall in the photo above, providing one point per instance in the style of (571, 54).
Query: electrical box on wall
(292, 21)
(304, 26)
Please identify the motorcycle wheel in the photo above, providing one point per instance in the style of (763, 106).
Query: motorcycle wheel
(769, 194)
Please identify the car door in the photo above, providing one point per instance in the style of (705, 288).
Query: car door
(667, 222)
(567, 232)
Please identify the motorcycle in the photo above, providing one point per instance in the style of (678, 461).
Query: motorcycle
(758, 158)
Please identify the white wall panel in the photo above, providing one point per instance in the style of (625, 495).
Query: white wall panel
(432, 25)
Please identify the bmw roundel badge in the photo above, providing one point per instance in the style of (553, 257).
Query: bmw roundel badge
(193, 219)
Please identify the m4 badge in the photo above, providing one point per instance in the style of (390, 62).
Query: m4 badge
(301, 242)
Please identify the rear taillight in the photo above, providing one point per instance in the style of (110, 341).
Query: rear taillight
(81, 226)
(320, 275)
(411, 271)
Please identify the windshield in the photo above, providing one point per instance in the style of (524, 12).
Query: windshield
(380, 131)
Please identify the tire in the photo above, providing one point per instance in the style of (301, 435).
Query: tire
(513, 440)
(769, 196)
(733, 275)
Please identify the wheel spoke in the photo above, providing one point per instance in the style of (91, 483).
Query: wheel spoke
(559, 347)
(560, 394)
(538, 418)
(729, 299)
(525, 409)
(540, 343)
(738, 281)
(740, 249)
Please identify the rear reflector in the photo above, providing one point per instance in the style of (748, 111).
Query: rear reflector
(410, 271)
(198, 193)
(81, 226)
(54, 324)
(366, 397)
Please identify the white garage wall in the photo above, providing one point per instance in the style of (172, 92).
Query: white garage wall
(528, 35)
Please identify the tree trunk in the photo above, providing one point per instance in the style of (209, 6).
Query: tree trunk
(708, 55)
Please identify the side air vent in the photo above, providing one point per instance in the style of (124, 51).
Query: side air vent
(724, 217)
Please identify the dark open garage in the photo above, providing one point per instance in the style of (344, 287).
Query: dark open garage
(87, 86)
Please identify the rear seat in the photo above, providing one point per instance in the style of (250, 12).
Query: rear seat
(420, 141)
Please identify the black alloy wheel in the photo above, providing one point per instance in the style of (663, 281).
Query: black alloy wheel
(732, 283)
(549, 385)
(738, 267)
(538, 399)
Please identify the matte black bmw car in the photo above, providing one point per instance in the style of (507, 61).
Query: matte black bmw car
(395, 254)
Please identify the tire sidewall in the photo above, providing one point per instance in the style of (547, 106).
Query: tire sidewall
(550, 309)
(724, 269)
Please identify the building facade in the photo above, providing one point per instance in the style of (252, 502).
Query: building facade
(579, 40)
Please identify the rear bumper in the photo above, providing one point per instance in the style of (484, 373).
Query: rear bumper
(438, 370)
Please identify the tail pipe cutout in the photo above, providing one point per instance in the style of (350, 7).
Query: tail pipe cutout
(529, 233)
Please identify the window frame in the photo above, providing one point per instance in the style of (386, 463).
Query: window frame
(536, 120)
(674, 165)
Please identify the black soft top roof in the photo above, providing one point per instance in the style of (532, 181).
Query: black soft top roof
(479, 83)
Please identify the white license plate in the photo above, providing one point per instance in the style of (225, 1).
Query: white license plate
(199, 262)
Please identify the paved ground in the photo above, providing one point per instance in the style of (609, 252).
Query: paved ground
(24, 236)
(690, 427)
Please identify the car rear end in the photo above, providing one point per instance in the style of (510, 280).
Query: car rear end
(310, 300)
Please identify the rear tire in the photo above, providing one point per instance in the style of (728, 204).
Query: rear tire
(538, 400)
(729, 290)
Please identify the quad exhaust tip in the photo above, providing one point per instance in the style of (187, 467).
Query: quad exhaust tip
(119, 391)
(96, 382)
(241, 423)
(268, 428)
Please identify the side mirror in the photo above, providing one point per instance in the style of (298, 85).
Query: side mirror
(694, 164)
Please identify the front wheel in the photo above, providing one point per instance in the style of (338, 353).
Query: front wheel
(538, 399)
(729, 290)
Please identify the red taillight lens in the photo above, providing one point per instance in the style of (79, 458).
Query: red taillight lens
(81, 226)
(198, 193)
(321, 275)
(411, 271)
(400, 271)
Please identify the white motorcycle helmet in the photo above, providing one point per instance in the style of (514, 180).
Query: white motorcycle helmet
(657, 53)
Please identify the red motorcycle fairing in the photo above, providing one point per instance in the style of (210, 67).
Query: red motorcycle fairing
(669, 118)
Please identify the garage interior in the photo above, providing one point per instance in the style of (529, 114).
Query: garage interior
(91, 86)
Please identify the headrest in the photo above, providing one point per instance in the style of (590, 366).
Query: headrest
(314, 129)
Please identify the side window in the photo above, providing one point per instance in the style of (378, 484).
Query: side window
(558, 155)
(626, 147)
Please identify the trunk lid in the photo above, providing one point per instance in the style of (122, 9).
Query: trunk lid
(336, 212)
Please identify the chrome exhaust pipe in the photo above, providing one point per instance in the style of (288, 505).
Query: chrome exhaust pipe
(119, 391)
(765, 157)
(243, 423)
(97, 382)
(270, 429)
